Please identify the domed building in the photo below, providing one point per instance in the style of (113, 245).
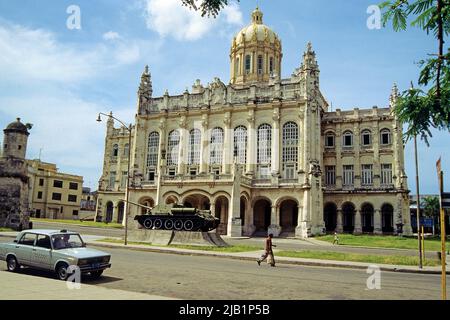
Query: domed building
(263, 153)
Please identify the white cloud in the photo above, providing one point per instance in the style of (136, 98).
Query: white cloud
(111, 35)
(170, 18)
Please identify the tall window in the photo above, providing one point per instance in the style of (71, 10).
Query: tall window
(329, 140)
(123, 181)
(330, 175)
(347, 139)
(112, 179)
(153, 149)
(271, 65)
(236, 67)
(386, 174)
(290, 148)
(366, 171)
(260, 65)
(115, 150)
(248, 64)
(216, 147)
(385, 136)
(348, 176)
(173, 145)
(240, 144)
(264, 149)
(194, 147)
(366, 138)
(126, 150)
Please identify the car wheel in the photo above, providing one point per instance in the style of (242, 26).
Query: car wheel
(158, 224)
(148, 223)
(96, 274)
(12, 264)
(178, 225)
(61, 272)
(168, 224)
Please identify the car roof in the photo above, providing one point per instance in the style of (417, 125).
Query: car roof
(48, 232)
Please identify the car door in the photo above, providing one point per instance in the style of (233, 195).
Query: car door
(24, 248)
(41, 254)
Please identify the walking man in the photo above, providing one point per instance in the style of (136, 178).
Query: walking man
(268, 253)
(336, 238)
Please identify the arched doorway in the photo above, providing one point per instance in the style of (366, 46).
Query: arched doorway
(109, 211)
(198, 201)
(148, 202)
(171, 200)
(243, 207)
(221, 208)
(348, 212)
(121, 210)
(330, 216)
(367, 217)
(288, 215)
(387, 218)
(261, 216)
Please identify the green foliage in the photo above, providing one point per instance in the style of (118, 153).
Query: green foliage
(206, 7)
(431, 206)
(428, 107)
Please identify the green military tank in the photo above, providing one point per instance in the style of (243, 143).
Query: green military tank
(178, 218)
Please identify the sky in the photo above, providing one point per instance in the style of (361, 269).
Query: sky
(59, 78)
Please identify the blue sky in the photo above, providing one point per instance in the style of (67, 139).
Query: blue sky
(59, 79)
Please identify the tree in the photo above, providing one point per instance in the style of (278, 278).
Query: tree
(428, 106)
(431, 207)
(206, 7)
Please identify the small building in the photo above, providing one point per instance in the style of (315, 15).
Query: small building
(14, 202)
(53, 194)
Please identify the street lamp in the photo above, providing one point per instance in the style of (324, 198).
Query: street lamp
(99, 119)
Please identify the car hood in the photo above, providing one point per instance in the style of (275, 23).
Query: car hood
(82, 253)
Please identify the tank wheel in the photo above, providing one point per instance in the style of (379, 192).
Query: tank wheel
(178, 225)
(148, 223)
(158, 224)
(188, 225)
(168, 224)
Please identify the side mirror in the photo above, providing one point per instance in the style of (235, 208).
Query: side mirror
(84, 245)
(15, 241)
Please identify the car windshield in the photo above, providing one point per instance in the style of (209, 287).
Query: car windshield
(66, 241)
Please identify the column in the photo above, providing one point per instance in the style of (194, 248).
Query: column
(274, 227)
(377, 229)
(162, 159)
(358, 226)
(339, 224)
(182, 147)
(228, 151)
(276, 142)
(251, 151)
(204, 150)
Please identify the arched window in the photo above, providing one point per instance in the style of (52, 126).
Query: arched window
(216, 147)
(240, 144)
(264, 144)
(126, 150)
(385, 136)
(366, 138)
(194, 147)
(153, 149)
(329, 140)
(271, 65)
(260, 64)
(115, 150)
(173, 148)
(347, 139)
(248, 64)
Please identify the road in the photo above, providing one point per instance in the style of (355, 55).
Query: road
(212, 278)
(282, 244)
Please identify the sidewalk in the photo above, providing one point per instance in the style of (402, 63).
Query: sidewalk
(16, 286)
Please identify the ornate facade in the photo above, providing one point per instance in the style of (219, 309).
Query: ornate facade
(262, 153)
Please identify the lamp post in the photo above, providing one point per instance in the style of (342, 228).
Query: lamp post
(99, 119)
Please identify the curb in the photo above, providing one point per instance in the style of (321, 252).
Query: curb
(325, 263)
(291, 262)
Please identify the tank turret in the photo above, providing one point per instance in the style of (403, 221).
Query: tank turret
(178, 218)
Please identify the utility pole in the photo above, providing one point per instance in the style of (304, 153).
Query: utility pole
(443, 236)
(418, 203)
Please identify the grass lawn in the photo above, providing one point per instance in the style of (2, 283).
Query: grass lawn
(433, 244)
(81, 223)
(6, 230)
(230, 249)
(354, 257)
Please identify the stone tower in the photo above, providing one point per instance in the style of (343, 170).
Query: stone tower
(14, 204)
